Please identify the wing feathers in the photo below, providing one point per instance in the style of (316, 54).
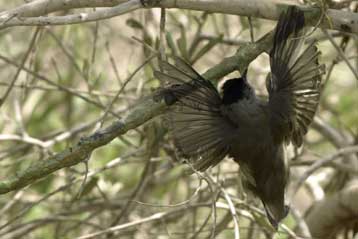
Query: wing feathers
(199, 130)
(296, 79)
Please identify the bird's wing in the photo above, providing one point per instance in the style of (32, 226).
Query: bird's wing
(201, 133)
(295, 82)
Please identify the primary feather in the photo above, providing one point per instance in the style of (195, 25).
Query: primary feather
(295, 82)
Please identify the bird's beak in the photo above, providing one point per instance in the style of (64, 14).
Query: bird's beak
(275, 214)
(271, 218)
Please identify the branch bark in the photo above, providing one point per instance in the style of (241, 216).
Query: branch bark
(14, 19)
(43, 7)
(29, 14)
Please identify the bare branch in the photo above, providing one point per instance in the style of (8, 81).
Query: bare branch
(139, 114)
(29, 14)
(13, 81)
(14, 20)
(43, 7)
(324, 161)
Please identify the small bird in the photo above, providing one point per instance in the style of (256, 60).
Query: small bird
(207, 126)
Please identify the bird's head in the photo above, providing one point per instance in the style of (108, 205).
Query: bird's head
(237, 89)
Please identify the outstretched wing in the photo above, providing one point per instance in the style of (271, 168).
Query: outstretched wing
(295, 83)
(201, 133)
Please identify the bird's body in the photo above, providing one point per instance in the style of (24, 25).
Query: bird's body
(260, 156)
(207, 126)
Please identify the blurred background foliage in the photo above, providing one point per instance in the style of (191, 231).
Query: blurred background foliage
(77, 73)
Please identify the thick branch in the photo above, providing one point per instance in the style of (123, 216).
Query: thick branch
(241, 60)
(43, 7)
(13, 19)
(28, 14)
(338, 20)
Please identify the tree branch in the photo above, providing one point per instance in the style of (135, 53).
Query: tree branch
(29, 14)
(145, 110)
(142, 112)
(338, 20)
(322, 162)
(14, 19)
(43, 7)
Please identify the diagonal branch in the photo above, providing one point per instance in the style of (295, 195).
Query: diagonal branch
(143, 111)
(139, 114)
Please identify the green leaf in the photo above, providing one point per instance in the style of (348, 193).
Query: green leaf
(89, 186)
(182, 43)
(134, 24)
(86, 68)
(171, 44)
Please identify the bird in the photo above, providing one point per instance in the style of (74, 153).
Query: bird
(208, 126)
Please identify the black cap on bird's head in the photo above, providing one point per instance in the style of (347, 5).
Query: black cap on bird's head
(236, 89)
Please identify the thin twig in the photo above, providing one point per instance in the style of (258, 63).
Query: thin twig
(320, 163)
(341, 53)
(21, 66)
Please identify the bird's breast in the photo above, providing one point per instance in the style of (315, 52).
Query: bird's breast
(252, 123)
